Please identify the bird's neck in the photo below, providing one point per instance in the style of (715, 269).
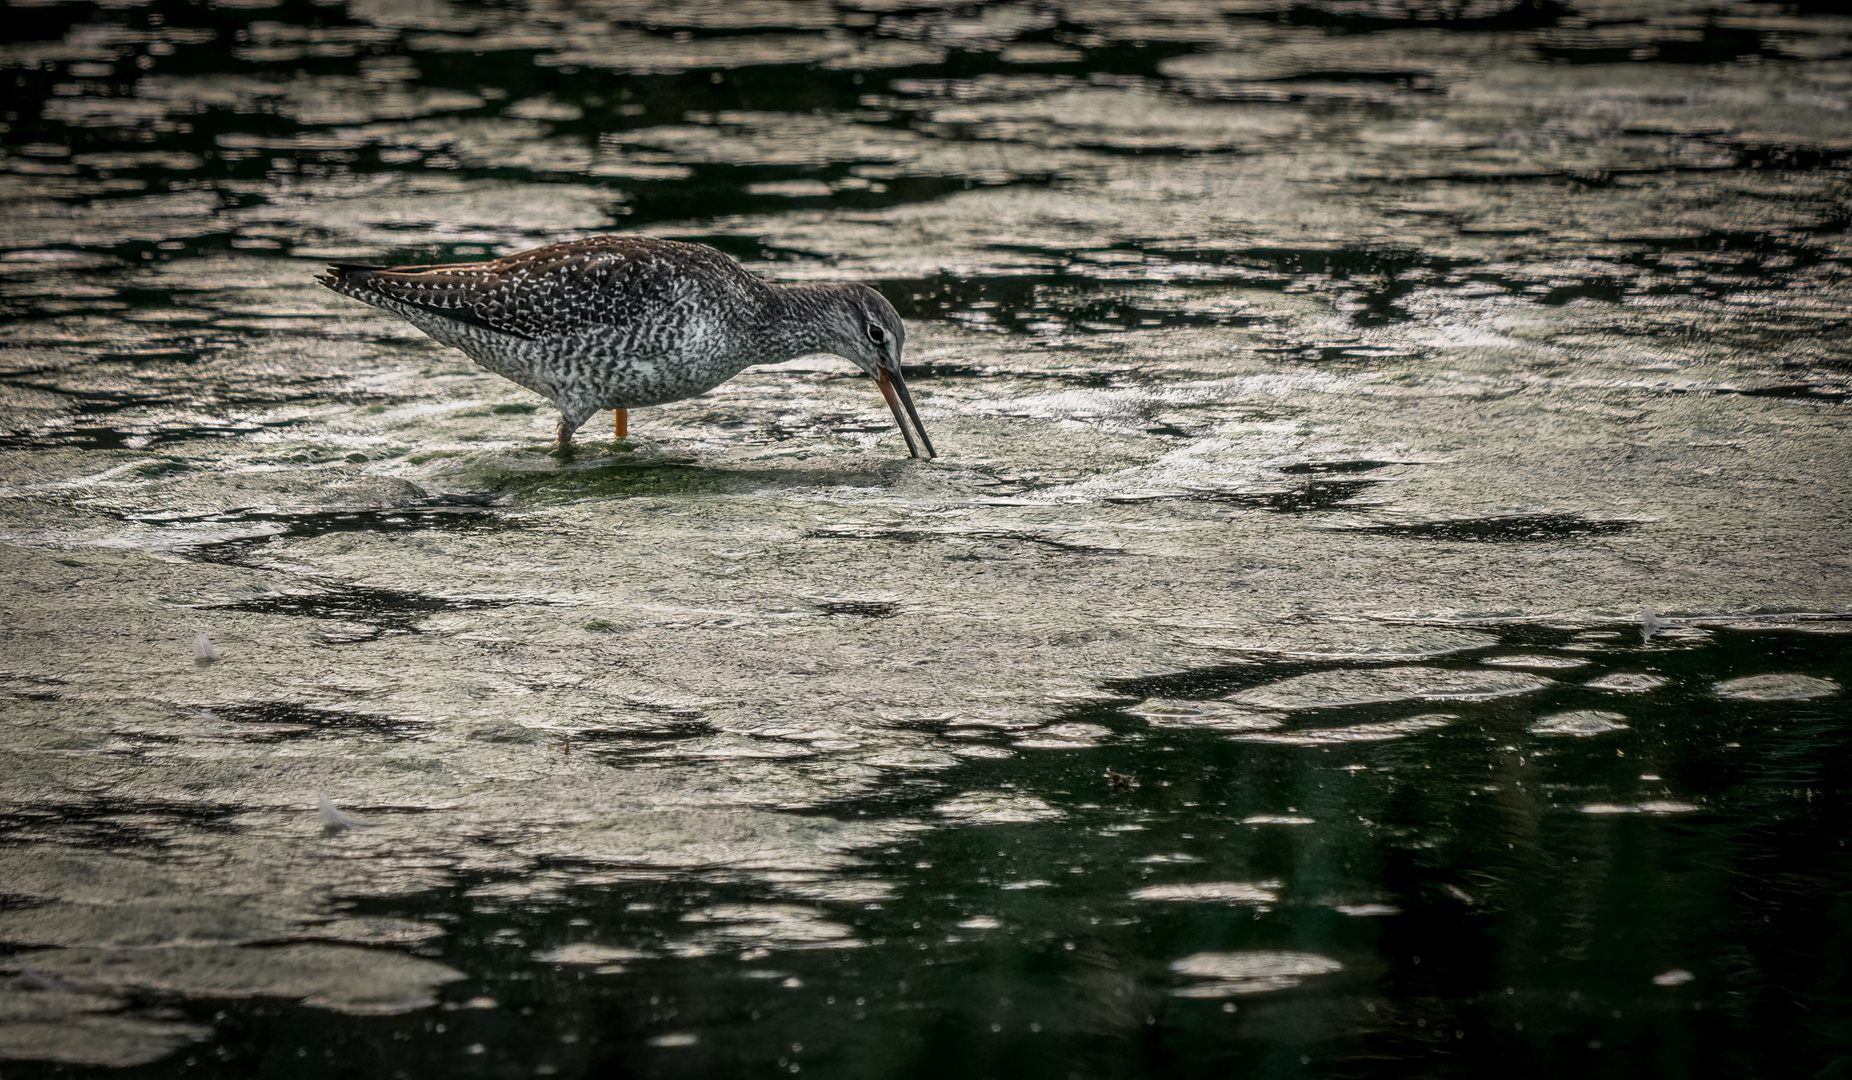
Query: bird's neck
(794, 321)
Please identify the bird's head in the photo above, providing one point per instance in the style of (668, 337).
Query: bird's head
(866, 330)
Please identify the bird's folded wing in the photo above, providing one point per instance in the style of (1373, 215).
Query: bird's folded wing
(543, 293)
(466, 293)
(559, 289)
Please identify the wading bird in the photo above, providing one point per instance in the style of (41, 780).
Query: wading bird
(619, 322)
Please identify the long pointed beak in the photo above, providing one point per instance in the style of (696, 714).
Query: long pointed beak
(894, 389)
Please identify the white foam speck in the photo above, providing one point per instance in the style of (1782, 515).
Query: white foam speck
(334, 818)
(204, 651)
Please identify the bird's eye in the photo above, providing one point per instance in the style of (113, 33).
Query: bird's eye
(877, 335)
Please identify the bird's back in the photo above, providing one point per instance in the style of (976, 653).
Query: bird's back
(629, 286)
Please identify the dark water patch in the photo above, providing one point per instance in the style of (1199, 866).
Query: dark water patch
(1082, 378)
(1607, 290)
(234, 149)
(32, 687)
(360, 613)
(1714, 43)
(377, 611)
(1386, 262)
(1073, 300)
(473, 513)
(1721, 251)
(860, 609)
(595, 456)
(1415, 80)
(146, 418)
(188, 246)
(754, 249)
(80, 437)
(287, 721)
(94, 401)
(1257, 666)
(1514, 528)
(1337, 354)
(1204, 683)
(1586, 666)
(1469, 15)
(920, 536)
(1381, 275)
(1100, 57)
(144, 352)
(1301, 498)
(1315, 495)
(1710, 265)
(107, 822)
(720, 190)
(1798, 158)
(622, 741)
(1122, 57)
(616, 101)
(939, 370)
(1318, 468)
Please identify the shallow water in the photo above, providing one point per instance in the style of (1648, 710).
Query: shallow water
(1380, 610)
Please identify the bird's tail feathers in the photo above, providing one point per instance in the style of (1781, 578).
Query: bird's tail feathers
(342, 273)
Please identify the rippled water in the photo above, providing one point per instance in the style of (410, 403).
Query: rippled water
(1380, 610)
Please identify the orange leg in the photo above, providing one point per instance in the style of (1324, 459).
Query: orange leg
(623, 423)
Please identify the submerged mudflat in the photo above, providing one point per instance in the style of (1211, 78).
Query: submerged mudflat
(1380, 607)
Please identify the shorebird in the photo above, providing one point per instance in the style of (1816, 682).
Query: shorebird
(618, 322)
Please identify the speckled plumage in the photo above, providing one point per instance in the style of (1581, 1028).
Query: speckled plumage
(618, 322)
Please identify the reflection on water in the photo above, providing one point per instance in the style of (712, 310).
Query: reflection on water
(1253, 687)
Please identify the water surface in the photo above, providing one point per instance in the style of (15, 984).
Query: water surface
(1380, 610)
